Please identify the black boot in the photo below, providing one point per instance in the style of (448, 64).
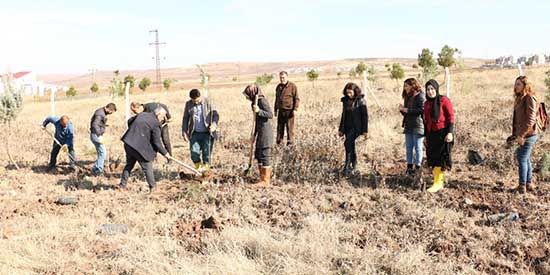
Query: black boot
(410, 170)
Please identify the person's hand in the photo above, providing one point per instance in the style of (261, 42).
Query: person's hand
(520, 141)
(213, 127)
(255, 108)
(167, 156)
(43, 127)
(402, 109)
(340, 134)
(185, 137)
(449, 137)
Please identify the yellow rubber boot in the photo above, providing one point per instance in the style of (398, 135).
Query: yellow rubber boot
(206, 167)
(198, 166)
(439, 178)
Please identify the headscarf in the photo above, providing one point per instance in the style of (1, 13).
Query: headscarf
(436, 101)
(252, 90)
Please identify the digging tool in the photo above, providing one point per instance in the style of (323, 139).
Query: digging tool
(185, 166)
(58, 143)
(252, 138)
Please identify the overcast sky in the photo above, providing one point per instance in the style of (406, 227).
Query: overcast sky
(61, 36)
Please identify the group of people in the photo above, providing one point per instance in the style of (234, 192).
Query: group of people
(428, 121)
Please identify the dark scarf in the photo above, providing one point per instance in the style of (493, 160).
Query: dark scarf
(436, 101)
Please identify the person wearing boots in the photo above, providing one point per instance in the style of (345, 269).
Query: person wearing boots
(199, 125)
(413, 124)
(353, 123)
(263, 132)
(525, 130)
(439, 120)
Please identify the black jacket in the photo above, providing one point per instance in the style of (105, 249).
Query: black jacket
(97, 124)
(263, 130)
(413, 123)
(143, 135)
(360, 115)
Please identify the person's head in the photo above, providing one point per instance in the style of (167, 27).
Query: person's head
(136, 107)
(432, 88)
(195, 96)
(251, 91)
(160, 113)
(283, 77)
(351, 90)
(64, 121)
(523, 87)
(410, 87)
(110, 108)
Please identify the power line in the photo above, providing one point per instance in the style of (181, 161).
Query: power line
(157, 58)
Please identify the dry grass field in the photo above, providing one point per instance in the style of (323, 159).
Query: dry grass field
(312, 221)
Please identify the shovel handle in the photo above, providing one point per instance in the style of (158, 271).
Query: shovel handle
(185, 165)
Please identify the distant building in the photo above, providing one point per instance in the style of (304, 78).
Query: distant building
(27, 82)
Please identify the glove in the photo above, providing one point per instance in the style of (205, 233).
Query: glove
(213, 127)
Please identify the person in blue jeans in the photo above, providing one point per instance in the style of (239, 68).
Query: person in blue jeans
(199, 126)
(98, 124)
(525, 130)
(64, 134)
(354, 122)
(412, 110)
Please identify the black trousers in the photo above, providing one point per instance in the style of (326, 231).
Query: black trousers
(263, 156)
(55, 153)
(165, 136)
(132, 156)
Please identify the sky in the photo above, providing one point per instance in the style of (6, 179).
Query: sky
(62, 36)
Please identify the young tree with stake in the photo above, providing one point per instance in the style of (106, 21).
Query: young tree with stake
(11, 103)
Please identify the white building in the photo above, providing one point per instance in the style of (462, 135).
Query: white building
(26, 81)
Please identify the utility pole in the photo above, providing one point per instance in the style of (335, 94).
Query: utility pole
(93, 72)
(157, 58)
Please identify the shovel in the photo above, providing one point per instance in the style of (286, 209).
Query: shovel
(60, 145)
(185, 166)
(252, 139)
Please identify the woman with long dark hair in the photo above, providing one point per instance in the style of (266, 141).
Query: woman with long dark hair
(413, 123)
(525, 131)
(439, 120)
(353, 123)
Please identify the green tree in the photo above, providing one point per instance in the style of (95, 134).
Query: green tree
(71, 92)
(167, 83)
(361, 68)
(371, 74)
(396, 73)
(264, 79)
(428, 64)
(117, 86)
(130, 79)
(447, 59)
(144, 83)
(312, 76)
(94, 88)
(352, 73)
(11, 104)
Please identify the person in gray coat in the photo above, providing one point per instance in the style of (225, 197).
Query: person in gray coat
(141, 144)
(263, 132)
(413, 123)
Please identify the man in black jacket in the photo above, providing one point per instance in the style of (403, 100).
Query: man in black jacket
(98, 124)
(150, 108)
(141, 144)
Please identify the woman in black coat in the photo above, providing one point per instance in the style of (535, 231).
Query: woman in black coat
(263, 132)
(353, 123)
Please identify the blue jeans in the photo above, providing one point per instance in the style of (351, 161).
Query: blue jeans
(200, 146)
(101, 154)
(523, 155)
(413, 142)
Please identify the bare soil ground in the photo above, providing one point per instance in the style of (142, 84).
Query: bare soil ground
(314, 220)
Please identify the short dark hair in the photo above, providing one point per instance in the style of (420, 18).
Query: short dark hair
(283, 72)
(111, 106)
(194, 93)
